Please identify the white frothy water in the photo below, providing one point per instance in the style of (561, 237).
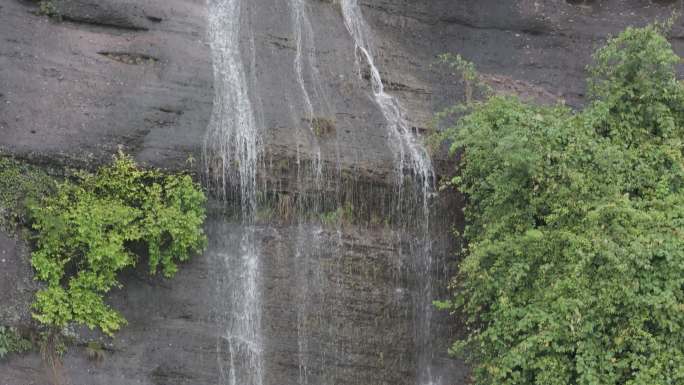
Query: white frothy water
(232, 150)
(411, 154)
(233, 144)
(412, 158)
(240, 347)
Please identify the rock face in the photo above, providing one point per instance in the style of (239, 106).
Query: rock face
(16, 283)
(337, 299)
(135, 74)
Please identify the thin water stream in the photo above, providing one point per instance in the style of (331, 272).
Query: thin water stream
(232, 150)
(413, 159)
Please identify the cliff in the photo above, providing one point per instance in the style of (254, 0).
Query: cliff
(339, 293)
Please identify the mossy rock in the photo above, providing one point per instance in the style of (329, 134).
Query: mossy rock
(323, 126)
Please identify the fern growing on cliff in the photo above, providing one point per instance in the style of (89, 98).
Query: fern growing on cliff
(99, 224)
(574, 269)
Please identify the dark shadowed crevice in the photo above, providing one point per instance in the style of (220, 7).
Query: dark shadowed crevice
(154, 19)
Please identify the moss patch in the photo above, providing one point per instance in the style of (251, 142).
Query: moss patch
(323, 126)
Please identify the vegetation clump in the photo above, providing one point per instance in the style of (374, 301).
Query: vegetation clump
(341, 215)
(98, 224)
(48, 8)
(574, 265)
(12, 342)
(322, 126)
(19, 183)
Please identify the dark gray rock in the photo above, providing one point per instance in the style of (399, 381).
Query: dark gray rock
(16, 281)
(137, 74)
(68, 91)
(170, 338)
(116, 14)
(63, 100)
(545, 43)
(344, 292)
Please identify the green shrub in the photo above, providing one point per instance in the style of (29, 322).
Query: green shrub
(48, 8)
(12, 342)
(574, 265)
(19, 183)
(102, 223)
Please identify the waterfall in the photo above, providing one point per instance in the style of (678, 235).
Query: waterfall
(233, 154)
(308, 246)
(406, 146)
(239, 348)
(303, 36)
(411, 157)
(232, 150)
(232, 144)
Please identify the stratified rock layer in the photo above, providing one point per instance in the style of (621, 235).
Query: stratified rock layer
(337, 298)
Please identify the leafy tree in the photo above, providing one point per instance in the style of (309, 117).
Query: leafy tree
(574, 265)
(99, 224)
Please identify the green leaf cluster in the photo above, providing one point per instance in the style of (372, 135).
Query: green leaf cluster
(20, 183)
(95, 226)
(48, 8)
(12, 342)
(573, 271)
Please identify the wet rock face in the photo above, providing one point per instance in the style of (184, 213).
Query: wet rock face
(138, 74)
(546, 43)
(337, 302)
(16, 280)
(339, 311)
(135, 74)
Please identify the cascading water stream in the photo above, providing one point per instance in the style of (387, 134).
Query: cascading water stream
(308, 246)
(232, 150)
(303, 33)
(232, 144)
(405, 143)
(411, 157)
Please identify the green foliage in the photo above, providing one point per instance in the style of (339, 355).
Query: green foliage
(12, 342)
(574, 269)
(48, 8)
(98, 225)
(19, 183)
(474, 88)
(634, 86)
(341, 215)
(472, 84)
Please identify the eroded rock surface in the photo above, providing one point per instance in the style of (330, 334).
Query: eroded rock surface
(16, 280)
(64, 99)
(138, 75)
